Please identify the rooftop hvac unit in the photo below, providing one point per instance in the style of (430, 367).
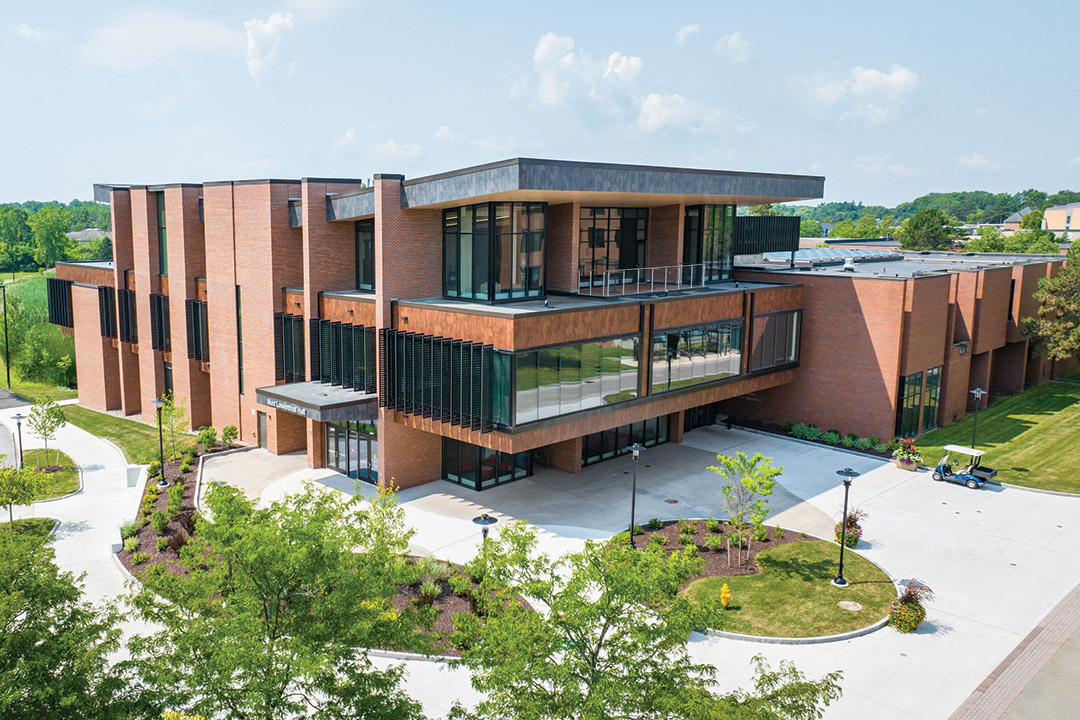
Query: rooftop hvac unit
(849, 264)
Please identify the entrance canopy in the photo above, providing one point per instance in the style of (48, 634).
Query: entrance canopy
(323, 403)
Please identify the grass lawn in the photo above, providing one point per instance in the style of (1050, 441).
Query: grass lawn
(61, 482)
(1030, 438)
(35, 526)
(792, 596)
(139, 442)
(30, 391)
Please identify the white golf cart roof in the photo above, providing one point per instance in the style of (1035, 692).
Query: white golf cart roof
(964, 450)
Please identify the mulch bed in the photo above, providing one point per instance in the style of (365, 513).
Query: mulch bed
(717, 561)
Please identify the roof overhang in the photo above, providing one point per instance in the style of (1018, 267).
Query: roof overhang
(319, 402)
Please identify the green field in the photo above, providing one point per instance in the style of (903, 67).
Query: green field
(58, 484)
(138, 441)
(793, 595)
(1032, 439)
(34, 526)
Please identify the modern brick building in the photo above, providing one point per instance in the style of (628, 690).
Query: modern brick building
(470, 324)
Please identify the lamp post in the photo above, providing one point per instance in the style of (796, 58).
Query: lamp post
(484, 521)
(978, 393)
(162, 482)
(636, 449)
(19, 417)
(7, 349)
(847, 474)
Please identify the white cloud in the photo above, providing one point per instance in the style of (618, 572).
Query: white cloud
(881, 165)
(977, 161)
(148, 37)
(734, 47)
(1075, 161)
(565, 75)
(264, 42)
(623, 67)
(663, 112)
(33, 34)
(492, 144)
(392, 150)
(684, 32)
(865, 94)
(344, 142)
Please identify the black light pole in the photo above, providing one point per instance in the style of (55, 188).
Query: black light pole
(978, 393)
(636, 448)
(19, 417)
(7, 349)
(158, 402)
(483, 521)
(847, 474)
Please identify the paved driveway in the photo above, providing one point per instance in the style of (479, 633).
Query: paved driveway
(997, 559)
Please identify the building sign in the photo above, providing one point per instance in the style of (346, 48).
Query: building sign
(286, 406)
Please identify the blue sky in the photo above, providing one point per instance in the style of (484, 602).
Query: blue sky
(887, 101)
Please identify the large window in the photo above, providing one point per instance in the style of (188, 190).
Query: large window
(125, 314)
(163, 245)
(611, 443)
(908, 405)
(288, 347)
(931, 396)
(365, 255)
(198, 331)
(59, 302)
(343, 354)
(709, 241)
(479, 468)
(775, 339)
(160, 331)
(560, 380)
(494, 251)
(696, 354)
(611, 239)
(239, 343)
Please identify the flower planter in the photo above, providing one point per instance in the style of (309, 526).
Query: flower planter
(909, 465)
(906, 616)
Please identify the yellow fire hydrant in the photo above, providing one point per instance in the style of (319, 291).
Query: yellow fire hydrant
(725, 596)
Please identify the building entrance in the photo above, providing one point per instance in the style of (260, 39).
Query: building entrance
(352, 449)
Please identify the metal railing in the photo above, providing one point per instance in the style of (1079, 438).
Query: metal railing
(632, 281)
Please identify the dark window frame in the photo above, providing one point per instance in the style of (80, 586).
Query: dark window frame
(486, 250)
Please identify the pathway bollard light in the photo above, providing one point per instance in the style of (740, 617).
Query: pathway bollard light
(162, 482)
(636, 448)
(978, 393)
(484, 521)
(847, 474)
(19, 417)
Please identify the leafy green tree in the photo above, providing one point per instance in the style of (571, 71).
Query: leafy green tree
(15, 238)
(1033, 220)
(1042, 242)
(611, 642)
(46, 417)
(844, 229)
(276, 609)
(928, 230)
(809, 228)
(18, 486)
(1056, 328)
(989, 239)
(750, 482)
(174, 419)
(49, 227)
(767, 209)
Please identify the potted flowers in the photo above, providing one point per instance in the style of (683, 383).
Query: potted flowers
(907, 456)
(907, 613)
(850, 535)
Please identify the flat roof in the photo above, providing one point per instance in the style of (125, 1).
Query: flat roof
(104, 264)
(320, 402)
(907, 264)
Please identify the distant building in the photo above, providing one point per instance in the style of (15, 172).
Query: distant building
(85, 236)
(1012, 222)
(1062, 220)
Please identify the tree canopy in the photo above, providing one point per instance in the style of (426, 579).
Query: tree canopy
(928, 230)
(1024, 241)
(1056, 328)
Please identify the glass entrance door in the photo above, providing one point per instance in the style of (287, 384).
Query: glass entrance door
(351, 449)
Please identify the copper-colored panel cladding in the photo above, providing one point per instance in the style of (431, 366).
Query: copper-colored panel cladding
(87, 273)
(356, 309)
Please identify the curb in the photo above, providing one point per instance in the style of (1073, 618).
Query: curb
(1040, 491)
(198, 476)
(114, 445)
(811, 443)
(116, 548)
(70, 494)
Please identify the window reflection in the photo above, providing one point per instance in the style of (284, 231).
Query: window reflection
(479, 468)
(494, 251)
(698, 354)
(616, 441)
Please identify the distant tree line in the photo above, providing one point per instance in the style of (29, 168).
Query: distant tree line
(33, 235)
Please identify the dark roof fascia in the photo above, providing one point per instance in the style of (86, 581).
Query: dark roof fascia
(330, 180)
(350, 193)
(256, 181)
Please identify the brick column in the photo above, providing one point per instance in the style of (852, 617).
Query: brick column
(123, 260)
(96, 362)
(563, 231)
(147, 281)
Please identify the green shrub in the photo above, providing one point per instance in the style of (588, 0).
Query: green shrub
(207, 437)
(873, 439)
(779, 532)
(788, 425)
(185, 467)
(881, 448)
(712, 525)
(159, 521)
(161, 544)
(229, 434)
(687, 540)
(801, 431)
(760, 533)
(658, 540)
(128, 529)
(813, 432)
(153, 469)
(429, 591)
(831, 438)
(142, 521)
(131, 544)
(906, 616)
(848, 440)
(655, 524)
(715, 542)
(864, 444)
(460, 584)
(138, 558)
(687, 527)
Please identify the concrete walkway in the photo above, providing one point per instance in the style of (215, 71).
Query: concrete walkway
(998, 559)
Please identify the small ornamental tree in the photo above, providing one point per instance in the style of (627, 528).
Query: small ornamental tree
(174, 418)
(228, 435)
(750, 482)
(18, 487)
(46, 417)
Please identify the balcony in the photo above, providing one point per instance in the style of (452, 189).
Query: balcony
(638, 281)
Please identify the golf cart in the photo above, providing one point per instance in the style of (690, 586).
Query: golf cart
(968, 472)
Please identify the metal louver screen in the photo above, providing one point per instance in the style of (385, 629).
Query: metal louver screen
(59, 300)
(107, 310)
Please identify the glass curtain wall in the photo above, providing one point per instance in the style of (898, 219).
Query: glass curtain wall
(611, 443)
(908, 405)
(931, 397)
(365, 255)
(351, 449)
(709, 241)
(479, 468)
(559, 380)
(775, 339)
(611, 239)
(494, 251)
(696, 354)
(163, 245)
